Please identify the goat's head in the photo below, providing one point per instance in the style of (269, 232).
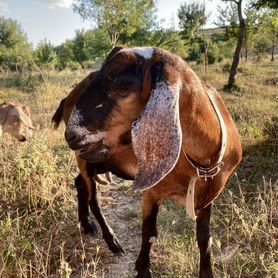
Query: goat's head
(15, 120)
(134, 99)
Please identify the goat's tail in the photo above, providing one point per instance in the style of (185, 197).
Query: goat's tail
(57, 117)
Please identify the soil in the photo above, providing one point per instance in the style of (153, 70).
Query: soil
(124, 218)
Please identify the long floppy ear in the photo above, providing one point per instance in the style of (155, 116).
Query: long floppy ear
(157, 136)
(3, 116)
(23, 117)
(3, 113)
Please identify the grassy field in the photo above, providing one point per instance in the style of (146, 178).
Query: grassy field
(39, 235)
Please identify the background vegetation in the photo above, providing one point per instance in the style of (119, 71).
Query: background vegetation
(39, 235)
(134, 23)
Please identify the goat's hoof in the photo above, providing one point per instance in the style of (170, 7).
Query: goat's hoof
(115, 247)
(90, 228)
(144, 274)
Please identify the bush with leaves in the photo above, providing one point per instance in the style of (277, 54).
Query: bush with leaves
(214, 54)
(261, 46)
(45, 55)
(15, 51)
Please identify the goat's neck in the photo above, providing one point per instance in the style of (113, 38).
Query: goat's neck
(200, 127)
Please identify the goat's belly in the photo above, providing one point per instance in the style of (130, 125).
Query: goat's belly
(179, 199)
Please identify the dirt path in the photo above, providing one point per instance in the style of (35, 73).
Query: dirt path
(89, 257)
(121, 206)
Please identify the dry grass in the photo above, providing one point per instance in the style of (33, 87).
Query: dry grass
(39, 236)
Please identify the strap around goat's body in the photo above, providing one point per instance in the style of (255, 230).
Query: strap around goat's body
(205, 172)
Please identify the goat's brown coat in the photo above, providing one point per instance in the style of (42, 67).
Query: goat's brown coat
(201, 135)
(88, 175)
(64, 112)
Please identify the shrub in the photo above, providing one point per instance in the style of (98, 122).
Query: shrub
(214, 54)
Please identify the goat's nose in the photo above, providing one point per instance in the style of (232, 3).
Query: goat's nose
(22, 139)
(69, 136)
(73, 139)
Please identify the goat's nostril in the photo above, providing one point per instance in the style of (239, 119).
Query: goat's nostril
(69, 136)
(22, 139)
(74, 140)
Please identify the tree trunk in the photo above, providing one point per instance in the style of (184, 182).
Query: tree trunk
(272, 49)
(206, 56)
(233, 72)
(246, 54)
(246, 46)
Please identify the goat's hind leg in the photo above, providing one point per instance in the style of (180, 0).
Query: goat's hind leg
(83, 207)
(204, 242)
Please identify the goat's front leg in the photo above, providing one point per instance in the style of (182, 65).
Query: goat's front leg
(83, 207)
(107, 233)
(150, 206)
(204, 242)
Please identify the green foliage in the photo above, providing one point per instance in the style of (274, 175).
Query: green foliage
(170, 40)
(252, 28)
(65, 55)
(214, 54)
(116, 17)
(273, 4)
(196, 52)
(261, 46)
(45, 55)
(228, 19)
(191, 18)
(165, 38)
(15, 51)
(84, 50)
(227, 48)
(90, 45)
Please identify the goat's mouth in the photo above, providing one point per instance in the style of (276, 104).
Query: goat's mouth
(96, 153)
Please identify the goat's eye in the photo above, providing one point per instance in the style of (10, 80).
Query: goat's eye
(117, 93)
(122, 93)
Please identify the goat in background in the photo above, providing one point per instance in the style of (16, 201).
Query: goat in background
(15, 120)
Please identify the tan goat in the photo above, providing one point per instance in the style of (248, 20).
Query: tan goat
(15, 120)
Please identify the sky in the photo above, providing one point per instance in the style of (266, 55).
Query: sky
(55, 20)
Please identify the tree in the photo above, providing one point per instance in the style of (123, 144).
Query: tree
(45, 55)
(116, 17)
(65, 55)
(272, 4)
(261, 45)
(252, 28)
(241, 34)
(169, 40)
(15, 51)
(191, 18)
(228, 19)
(269, 21)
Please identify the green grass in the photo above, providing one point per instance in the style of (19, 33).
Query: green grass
(39, 236)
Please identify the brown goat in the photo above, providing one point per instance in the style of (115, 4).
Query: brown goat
(147, 115)
(15, 120)
(85, 182)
